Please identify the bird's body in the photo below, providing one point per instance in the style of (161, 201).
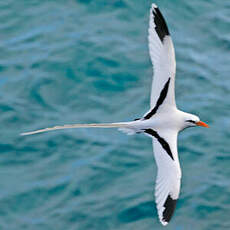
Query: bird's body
(162, 122)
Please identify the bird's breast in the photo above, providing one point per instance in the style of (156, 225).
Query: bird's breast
(170, 120)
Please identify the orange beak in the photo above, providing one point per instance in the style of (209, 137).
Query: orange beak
(201, 123)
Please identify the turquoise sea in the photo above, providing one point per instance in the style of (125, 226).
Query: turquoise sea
(84, 61)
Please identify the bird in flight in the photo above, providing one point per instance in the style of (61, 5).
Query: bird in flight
(162, 122)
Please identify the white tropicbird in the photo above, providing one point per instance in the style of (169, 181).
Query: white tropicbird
(162, 122)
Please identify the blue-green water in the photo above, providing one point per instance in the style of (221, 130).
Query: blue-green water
(80, 61)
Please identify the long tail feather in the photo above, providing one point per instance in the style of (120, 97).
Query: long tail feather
(103, 125)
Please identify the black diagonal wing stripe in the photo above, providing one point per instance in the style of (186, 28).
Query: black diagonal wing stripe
(160, 100)
(170, 206)
(161, 26)
(161, 140)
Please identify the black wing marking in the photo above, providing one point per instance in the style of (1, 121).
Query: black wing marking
(160, 100)
(170, 206)
(161, 140)
(161, 26)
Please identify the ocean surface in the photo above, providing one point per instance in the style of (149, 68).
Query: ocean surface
(84, 61)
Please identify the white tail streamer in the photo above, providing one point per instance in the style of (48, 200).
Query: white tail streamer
(103, 125)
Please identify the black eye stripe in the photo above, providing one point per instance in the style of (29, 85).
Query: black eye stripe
(190, 121)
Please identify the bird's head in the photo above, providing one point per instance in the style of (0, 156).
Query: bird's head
(191, 120)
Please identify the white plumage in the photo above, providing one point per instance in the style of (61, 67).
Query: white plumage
(163, 59)
(162, 122)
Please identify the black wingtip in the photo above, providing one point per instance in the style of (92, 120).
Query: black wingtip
(161, 26)
(170, 206)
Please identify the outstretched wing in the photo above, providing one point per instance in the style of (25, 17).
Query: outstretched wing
(163, 59)
(168, 175)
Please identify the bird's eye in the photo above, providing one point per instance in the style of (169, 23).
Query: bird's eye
(190, 121)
